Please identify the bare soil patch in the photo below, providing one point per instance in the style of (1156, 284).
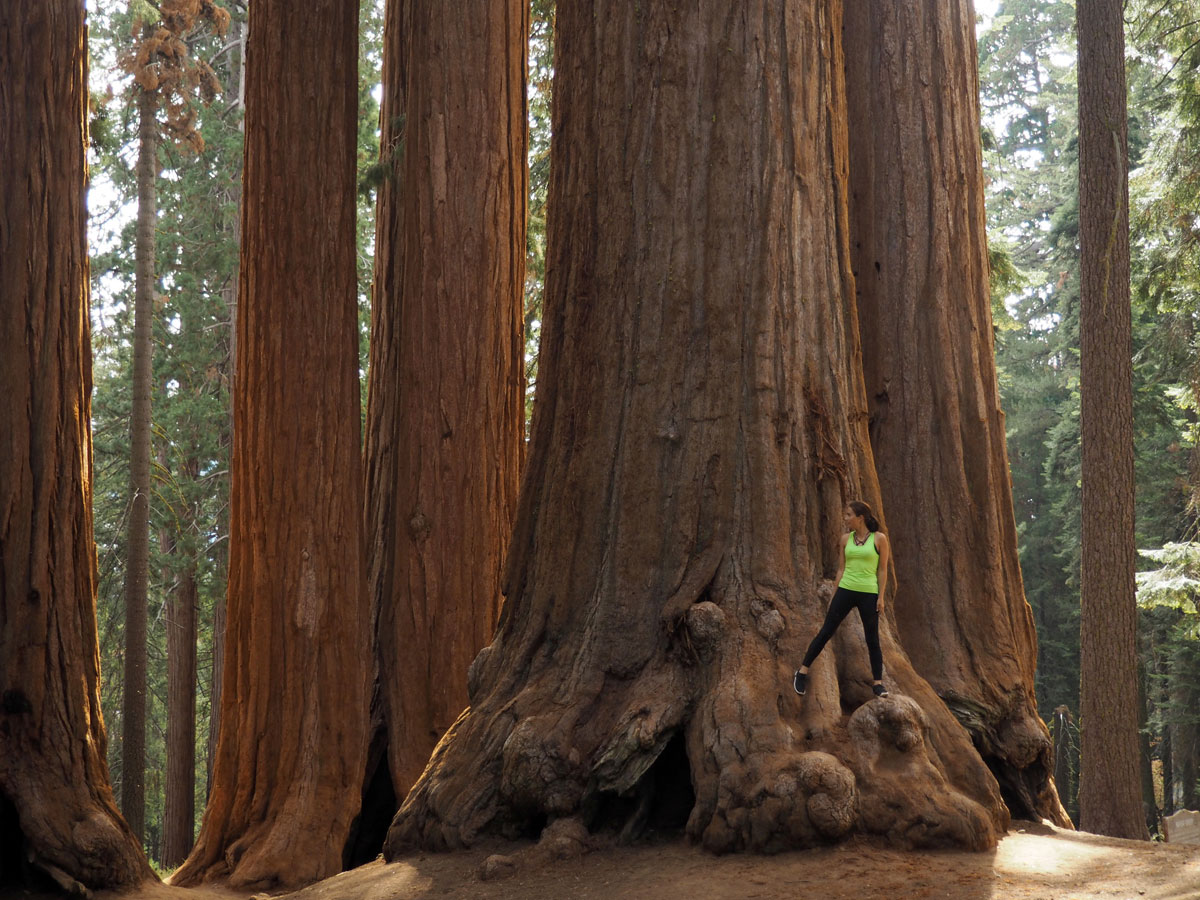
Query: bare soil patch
(1032, 862)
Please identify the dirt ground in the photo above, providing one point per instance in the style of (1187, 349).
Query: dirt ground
(1032, 862)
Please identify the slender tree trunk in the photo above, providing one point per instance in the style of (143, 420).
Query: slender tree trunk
(1168, 774)
(137, 570)
(287, 779)
(1062, 753)
(700, 421)
(919, 252)
(179, 814)
(446, 400)
(57, 810)
(1110, 799)
(1145, 763)
(1185, 745)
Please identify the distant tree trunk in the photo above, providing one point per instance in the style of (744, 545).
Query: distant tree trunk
(137, 569)
(179, 812)
(290, 759)
(1185, 745)
(1145, 753)
(1110, 800)
(1168, 779)
(919, 252)
(445, 419)
(1062, 754)
(699, 423)
(57, 811)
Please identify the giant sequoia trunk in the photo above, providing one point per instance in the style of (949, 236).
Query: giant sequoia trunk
(292, 744)
(919, 252)
(446, 399)
(700, 422)
(57, 811)
(1110, 800)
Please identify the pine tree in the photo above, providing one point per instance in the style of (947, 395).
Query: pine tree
(1109, 790)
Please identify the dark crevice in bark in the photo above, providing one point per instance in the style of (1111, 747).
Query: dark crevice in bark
(12, 845)
(379, 805)
(657, 806)
(1017, 786)
(1019, 758)
(17, 871)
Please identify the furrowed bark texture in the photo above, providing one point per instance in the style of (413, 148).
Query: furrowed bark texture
(1110, 800)
(446, 398)
(699, 424)
(919, 251)
(293, 711)
(179, 805)
(57, 810)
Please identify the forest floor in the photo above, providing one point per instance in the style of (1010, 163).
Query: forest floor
(1032, 861)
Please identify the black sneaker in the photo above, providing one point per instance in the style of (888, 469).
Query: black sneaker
(880, 690)
(799, 682)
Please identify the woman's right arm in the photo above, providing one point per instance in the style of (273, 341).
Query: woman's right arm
(842, 567)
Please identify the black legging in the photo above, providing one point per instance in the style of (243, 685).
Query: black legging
(843, 601)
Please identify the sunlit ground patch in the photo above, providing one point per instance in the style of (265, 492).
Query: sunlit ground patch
(1032, 855)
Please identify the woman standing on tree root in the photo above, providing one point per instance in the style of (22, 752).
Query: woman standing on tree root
(860, 583)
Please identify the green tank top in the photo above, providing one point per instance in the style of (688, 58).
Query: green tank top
(862, 564)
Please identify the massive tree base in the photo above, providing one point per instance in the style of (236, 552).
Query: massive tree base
(711, 736)
(65, 841)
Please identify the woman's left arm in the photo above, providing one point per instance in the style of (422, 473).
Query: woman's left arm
(883, 545)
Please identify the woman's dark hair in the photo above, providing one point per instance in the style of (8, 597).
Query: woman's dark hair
(861, 509)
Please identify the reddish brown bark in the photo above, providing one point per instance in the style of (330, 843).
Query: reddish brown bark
(700, 421)
(919, 251)
(293, 710)
(1110, 800)
(57, 811)
(445, 409)
(179, 805)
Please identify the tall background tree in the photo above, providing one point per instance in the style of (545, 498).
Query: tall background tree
(137, 545)
(179, 56)
(699, 423)
(1110, 799)
(937, 430)
(293, 737)
(164, 76)
(445, 420)
(57, 811)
